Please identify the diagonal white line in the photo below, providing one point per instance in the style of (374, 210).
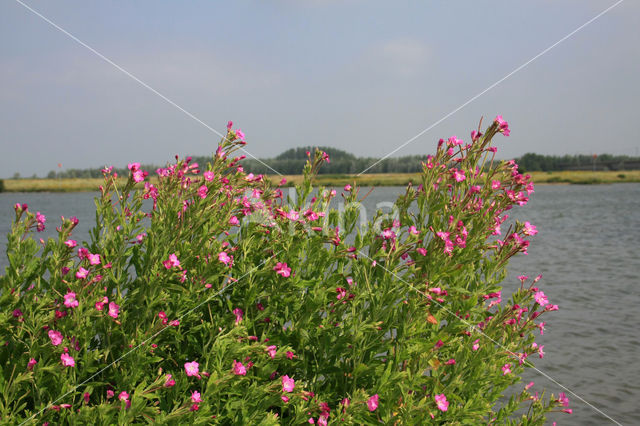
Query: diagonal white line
(144, 342)
(476, 328)
(136, 79)
(492, 86)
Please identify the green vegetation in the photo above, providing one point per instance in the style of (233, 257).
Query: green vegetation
(369, 179)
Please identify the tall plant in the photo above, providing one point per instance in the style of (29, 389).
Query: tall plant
(208, 297)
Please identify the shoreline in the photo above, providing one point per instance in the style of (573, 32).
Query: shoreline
(374, 179)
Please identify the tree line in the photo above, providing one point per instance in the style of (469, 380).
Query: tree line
(292, 161)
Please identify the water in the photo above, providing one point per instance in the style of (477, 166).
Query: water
(588, 252)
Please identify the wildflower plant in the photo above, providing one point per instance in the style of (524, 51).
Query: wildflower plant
(208, 297)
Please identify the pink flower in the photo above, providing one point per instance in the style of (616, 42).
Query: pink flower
(495, 184)
(293, 215)
(284, 398)
(202, 191)
(114, 310)
(540, 298)
(458, 175)
(86, 396)
(110, 394)
(67, 360)
(55, 336)
(529, 229)
(347, 187)
(229, 125)
(271, 350)
(139, 175)
(422, 251)
(372, 403)
(441, 402)
(450, 362)
(70, 300)
(239, 135)
(123, 396)
(94, 259)
(169, 381)
(32, 363)
(192, 369)
(71, 243)
(562, 399)
(41, 219)
(413, 230)
(195, 397)
(82, 273)
(475, 346)
(506, 369)
(287, 384)
(224, 258)
(234, 221)
(239, 369)
(290, 355)
(100, 304)
(503, 126)
(208, 176)
(282, 269)
(238, 313)
(529, 386)
(171, 262)
(541, 327)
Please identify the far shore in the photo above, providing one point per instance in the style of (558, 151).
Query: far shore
(374, 179)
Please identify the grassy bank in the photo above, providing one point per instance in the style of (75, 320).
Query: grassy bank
(380, 179)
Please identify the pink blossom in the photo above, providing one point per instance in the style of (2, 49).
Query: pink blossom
(55, 336)
(114, 310)
(287, 384)
(422, 251)
(110, 394)
(94, 259)
(495, 184)
(224, 258)
(229, 125)
(139, 175)
(82, 273)
(239, 135)
(271, 350)
(192, 369)
(441, 402)
(282, 269)
(458, 175)
(450, 362)
(503, 126)
(372, 403)
(529, 229)
(171, 262)
(123, 396)
(208, 176)
(234, 221)
(67, 360)
(196, 397)
(32, 363)
(86, 396)
(540, 298)
(41, 219)
(506, 369)
(413, 230)
(476, 346)
(70, 300)
(202, 191)
(293, 215)
(100, 304)
(284, 398)
(562, 399)
(290, 355)
(71, 243)
(238, 313)
(239, 369)
(169, 381)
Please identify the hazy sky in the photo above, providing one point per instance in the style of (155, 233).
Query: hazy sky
(358, 75)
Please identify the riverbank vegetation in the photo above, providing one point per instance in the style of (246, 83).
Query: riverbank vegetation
(581, 177)
(220, 300)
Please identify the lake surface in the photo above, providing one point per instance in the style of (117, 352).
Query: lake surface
(588, 251)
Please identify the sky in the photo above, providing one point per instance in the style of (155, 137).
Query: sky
(363, 76)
